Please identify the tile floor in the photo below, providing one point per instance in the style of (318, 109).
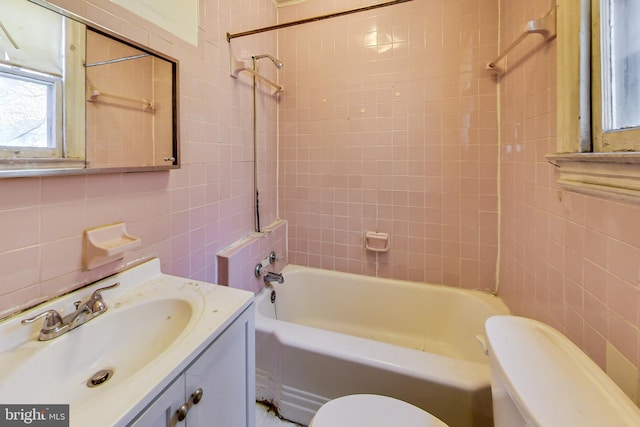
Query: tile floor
(266, 418)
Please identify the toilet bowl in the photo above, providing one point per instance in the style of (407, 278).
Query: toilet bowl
(372, 410)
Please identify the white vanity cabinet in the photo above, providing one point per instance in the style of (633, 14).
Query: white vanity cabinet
(217, 389)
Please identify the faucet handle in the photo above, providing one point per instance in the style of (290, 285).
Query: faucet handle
(96, 303)
(52, 320)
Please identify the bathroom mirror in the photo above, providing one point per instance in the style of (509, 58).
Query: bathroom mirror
(76, 98)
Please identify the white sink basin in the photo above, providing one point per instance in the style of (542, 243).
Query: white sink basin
(119, 340)
(153, 325)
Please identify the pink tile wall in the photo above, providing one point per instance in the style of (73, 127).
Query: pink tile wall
(569, 260)
(388, 123)
(236, 264)
(184, 216)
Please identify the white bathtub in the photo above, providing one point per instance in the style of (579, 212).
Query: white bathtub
(330, 334)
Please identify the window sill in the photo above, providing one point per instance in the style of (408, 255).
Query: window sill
(606, 175)
(15, 168)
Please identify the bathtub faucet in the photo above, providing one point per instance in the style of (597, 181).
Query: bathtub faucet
(273, 277)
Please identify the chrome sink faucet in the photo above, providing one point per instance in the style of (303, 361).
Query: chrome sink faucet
(273, 277)
(56, 325)
(78, 317)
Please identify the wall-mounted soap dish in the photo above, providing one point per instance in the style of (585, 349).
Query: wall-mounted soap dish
(377, 242)
(107, 243)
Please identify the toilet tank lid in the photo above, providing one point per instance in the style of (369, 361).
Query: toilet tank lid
(551, 381)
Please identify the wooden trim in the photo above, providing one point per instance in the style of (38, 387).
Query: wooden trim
(606, 175)
(568, 72)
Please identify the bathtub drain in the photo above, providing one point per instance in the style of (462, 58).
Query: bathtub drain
(273, 297)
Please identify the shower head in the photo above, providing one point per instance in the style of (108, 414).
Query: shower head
(275, 61)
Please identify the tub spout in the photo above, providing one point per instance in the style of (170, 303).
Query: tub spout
(273, 277)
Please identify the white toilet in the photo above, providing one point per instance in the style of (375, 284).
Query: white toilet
(538, 378)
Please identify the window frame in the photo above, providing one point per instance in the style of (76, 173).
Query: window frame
(618, 140)
(70, 97)
(585, 163)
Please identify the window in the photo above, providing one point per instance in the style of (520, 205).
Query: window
(599, 98)
(617, 76)
(41, 89)
(29, 124)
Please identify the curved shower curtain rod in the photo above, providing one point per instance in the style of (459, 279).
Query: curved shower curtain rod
(314, 19)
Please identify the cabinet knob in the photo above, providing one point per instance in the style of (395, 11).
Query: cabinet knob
(182, 412)
(196, 397)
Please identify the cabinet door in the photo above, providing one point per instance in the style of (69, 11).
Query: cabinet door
(163, 411)
(225, 374)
